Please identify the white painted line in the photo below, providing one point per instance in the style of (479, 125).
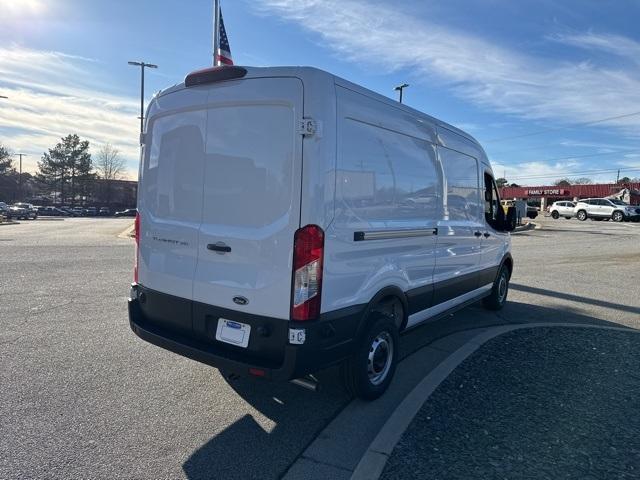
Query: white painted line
(373, 461)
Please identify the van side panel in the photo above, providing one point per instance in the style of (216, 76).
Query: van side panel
(387, 180)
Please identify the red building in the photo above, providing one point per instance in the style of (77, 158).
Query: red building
(546, 195)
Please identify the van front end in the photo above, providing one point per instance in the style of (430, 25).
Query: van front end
(277, 349)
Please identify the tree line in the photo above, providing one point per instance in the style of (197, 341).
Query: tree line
(67, 174)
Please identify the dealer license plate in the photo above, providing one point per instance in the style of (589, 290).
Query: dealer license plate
(235, 333)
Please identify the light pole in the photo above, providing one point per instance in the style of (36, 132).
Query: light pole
(20, 174)
(400, 88)
(142, 66)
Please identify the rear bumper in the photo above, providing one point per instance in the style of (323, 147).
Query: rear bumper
(329, 340)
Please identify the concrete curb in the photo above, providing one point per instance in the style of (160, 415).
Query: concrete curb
(524, 228)
(372, 463)
(128, 233)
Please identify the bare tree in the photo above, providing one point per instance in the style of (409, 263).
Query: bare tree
(582, 181)
(110, 166)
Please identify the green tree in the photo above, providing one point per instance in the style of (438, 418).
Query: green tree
(501, 182)
(67, 167)
(6, 162)
(624, 180)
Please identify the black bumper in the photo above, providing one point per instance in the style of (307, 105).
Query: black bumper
(188, 329)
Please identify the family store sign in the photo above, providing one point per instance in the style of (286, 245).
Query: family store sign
(549, 191)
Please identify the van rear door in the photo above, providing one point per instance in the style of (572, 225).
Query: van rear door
(251, 196)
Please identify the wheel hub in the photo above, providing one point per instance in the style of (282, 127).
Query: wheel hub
(380, 358)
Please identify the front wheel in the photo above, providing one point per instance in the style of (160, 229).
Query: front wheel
(499, 291)
(617, 216)
(368, 373)
(582, 215)
(555, 215)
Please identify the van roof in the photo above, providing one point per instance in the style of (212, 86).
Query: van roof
(310, 74)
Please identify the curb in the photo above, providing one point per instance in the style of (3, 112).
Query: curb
(372, 463)
(128, 233)
(526, 227)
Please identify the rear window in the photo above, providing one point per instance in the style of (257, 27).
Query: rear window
(249, 164)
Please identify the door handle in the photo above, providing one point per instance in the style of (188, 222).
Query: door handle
(477, 234)
(219, 247)
(486, 234)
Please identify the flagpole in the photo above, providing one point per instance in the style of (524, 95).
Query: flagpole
(216, 31)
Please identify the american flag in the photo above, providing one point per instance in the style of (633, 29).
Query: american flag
(223, 55)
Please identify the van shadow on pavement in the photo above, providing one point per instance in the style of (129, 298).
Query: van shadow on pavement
(245, 450)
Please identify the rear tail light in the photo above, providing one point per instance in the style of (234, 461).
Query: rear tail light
(136, 228)
(308, 251)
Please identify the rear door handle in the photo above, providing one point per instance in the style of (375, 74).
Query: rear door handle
(219, 247)
(477, 234)
(487, 234)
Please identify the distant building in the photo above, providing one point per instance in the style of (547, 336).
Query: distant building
(545, 195)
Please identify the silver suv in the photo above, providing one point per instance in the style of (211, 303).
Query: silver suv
(562, 209)
(605, 208)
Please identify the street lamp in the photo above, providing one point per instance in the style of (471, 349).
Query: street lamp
(142, 66)
(400, 88)
(20, 175)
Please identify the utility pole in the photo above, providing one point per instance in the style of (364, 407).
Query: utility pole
(142, 66)
(216, 29)
(20, 174)
(400, 88)
(618, 177)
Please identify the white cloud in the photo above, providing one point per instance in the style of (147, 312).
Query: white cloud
(609, 43)
(52, 94)
(499, 78)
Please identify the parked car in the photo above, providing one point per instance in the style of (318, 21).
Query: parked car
(79, 211)
(32, 212)
(4, 209)
(562, 209)
(17, 212)
(605, 208)
(129, 212)
(92, 211)
(104, 211)
(249, 262)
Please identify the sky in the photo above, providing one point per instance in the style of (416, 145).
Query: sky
(551, 89)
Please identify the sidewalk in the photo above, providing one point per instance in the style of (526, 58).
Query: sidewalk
(533, 403)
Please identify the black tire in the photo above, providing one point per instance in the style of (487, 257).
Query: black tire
(499, 291)
(368, 373)
(581, 215)
(617, 216)
(555, 215)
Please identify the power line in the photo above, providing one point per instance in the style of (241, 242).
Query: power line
(568, 127)
(581, 156)
(568, 174)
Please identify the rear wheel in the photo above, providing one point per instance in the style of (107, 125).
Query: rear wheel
(555, 215)
(499, 291)
(582, 215)
(368, 373)
(617, 216)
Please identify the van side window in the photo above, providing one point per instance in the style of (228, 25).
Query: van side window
(385, 175)
(462, 200)
(491, 200)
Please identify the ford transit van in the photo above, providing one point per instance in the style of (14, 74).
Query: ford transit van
(289, 220)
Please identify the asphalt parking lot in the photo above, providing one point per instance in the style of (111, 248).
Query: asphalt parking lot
(82, 396)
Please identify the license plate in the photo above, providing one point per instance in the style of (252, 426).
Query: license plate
(235, 333)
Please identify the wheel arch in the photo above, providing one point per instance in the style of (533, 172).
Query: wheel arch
(386, 295)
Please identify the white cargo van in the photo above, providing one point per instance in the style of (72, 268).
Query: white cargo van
(290, 220)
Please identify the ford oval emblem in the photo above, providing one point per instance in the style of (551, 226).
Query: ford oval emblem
(240, 300)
